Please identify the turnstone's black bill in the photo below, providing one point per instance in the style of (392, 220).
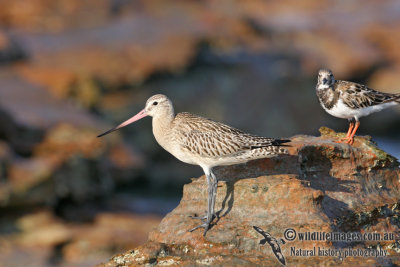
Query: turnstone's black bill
(348, 100)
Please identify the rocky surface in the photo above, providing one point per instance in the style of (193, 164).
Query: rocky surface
(70, 69)
(40, 238)
(210, 48)
(322, 186)
(51, 151)
(91, 52)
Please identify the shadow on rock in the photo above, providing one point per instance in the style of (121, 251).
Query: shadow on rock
(315, 170)
(281, 165)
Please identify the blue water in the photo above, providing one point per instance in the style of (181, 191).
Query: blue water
(391, 146)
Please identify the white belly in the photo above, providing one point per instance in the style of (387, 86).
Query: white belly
(205, 161)
(341, 110)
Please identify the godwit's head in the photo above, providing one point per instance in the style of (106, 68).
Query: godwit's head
(157, 105)
(325, 79)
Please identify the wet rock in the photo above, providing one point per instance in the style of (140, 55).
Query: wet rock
(386, 80)
(322, 186)
(88, 55)
(69, 163)
(41, 238)
(5, 159)
(133, 55)
(109, 233)
(53, 149)
(27, 111)
(53, 16)
(10, 49)
(110, 49)
(42, 229)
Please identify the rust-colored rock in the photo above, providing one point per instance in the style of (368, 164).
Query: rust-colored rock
(63, 157)
(40, 232)
(10, 49)
(322, 186)
(109, 232)
(42, 229)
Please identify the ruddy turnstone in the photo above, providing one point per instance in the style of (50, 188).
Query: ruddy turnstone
(348, 100)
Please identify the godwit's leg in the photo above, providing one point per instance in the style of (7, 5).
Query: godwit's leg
(212, 193)
(203, 218)
(209, 179)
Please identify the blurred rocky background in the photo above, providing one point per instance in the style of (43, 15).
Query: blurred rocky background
(70, 69)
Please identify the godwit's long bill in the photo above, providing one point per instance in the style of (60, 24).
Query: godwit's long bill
(200, 141)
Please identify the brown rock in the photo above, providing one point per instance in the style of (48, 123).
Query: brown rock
(108, 233)
(129, 59)
(42, 229)
(40, 237)
(59, 80)
(63, 157)
(10, 49)
(386, 80)
(25, 174)
(70, 140)
(45, 15)
(60, 166)
(122, 157)
(91, 53)
(322, 186)
(27, 111)
(109, 43)
(5, 159)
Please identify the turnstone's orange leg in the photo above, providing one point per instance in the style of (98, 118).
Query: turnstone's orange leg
(351, 138)
(351, 126)
(349, 132)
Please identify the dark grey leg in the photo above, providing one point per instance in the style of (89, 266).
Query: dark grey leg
(212, 193)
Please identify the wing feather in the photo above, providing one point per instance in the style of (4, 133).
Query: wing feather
(213, 139)
(358, 96)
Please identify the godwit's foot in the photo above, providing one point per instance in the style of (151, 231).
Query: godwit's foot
(206, 223)
(202, 218)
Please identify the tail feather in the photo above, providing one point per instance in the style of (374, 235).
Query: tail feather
(281, 142)
(275, 142)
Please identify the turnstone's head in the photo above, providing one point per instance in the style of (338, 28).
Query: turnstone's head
(325, 79)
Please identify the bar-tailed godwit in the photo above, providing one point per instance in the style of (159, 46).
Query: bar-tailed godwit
(348, 100)
(200, 141)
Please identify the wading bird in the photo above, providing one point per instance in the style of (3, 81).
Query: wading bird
(348, 100)
(200, 141)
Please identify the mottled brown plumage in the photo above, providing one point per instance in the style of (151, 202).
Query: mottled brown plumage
(200, 141)
(358, 96)
(349, 100)
(206, 138)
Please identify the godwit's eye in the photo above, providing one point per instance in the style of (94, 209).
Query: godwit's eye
(155, 103)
